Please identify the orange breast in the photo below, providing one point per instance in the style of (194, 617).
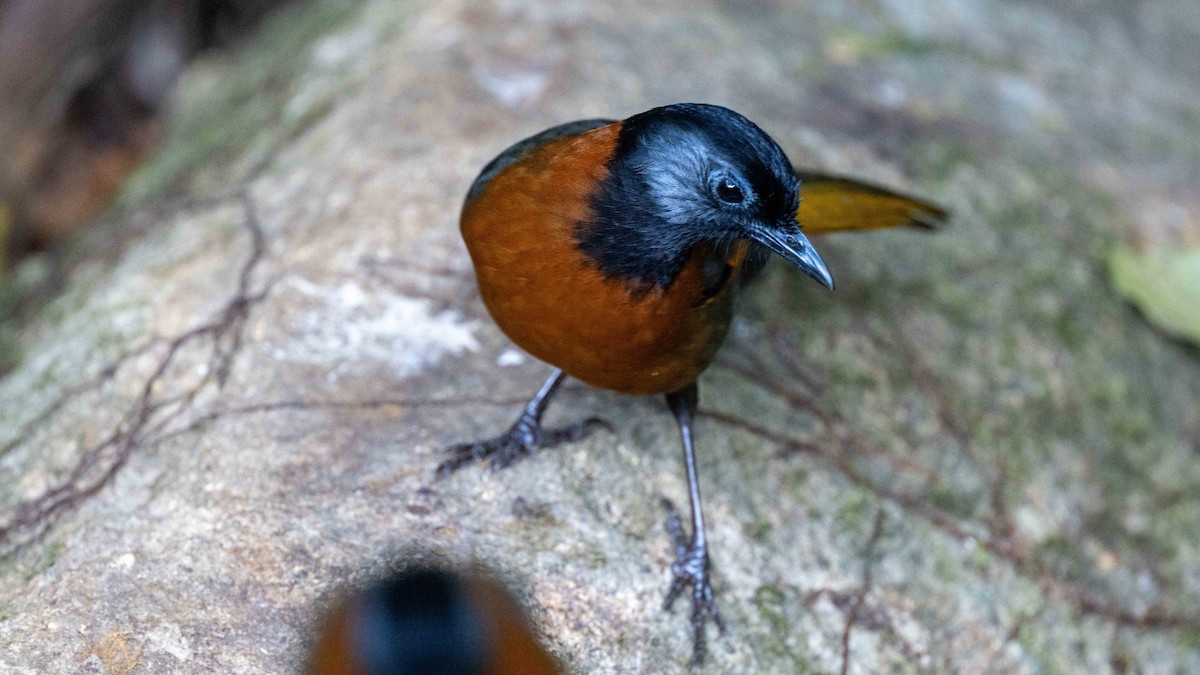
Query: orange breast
(557, 305)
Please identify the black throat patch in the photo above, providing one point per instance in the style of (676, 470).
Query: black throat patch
(657, 202)
(628, 238)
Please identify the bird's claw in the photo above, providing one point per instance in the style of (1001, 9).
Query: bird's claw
(522, 439)
(691, 568)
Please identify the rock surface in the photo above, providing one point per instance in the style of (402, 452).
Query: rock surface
(970, 458)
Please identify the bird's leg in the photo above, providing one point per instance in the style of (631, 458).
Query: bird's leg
(691, 567)
(524, 437)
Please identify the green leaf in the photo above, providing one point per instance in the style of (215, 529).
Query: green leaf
(1164, 284)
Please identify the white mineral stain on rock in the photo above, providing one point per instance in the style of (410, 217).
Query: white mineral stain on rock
(167, 637)
(337, 49)
(348, 327)
(511, 88)
(510, 357)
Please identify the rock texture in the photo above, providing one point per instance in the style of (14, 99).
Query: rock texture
(970, 458)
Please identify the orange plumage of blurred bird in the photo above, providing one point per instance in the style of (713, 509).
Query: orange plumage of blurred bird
(429, 621)
(612, 250)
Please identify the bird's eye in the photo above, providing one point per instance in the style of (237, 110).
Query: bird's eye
(729, 192)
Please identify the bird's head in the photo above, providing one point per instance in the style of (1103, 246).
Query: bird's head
(712, 174)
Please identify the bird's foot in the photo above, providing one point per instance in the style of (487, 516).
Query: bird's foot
(691, 568)
(522, 439)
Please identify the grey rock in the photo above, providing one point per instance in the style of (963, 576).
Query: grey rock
(970, 458)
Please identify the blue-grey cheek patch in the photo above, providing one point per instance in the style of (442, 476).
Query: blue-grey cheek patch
(678, 181)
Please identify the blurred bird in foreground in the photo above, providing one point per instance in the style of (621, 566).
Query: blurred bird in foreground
(429, 622)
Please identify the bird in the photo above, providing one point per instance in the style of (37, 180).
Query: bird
(613, 250)
(427, 620)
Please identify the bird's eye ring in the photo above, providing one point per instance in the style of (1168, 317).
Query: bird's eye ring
(729, 192)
